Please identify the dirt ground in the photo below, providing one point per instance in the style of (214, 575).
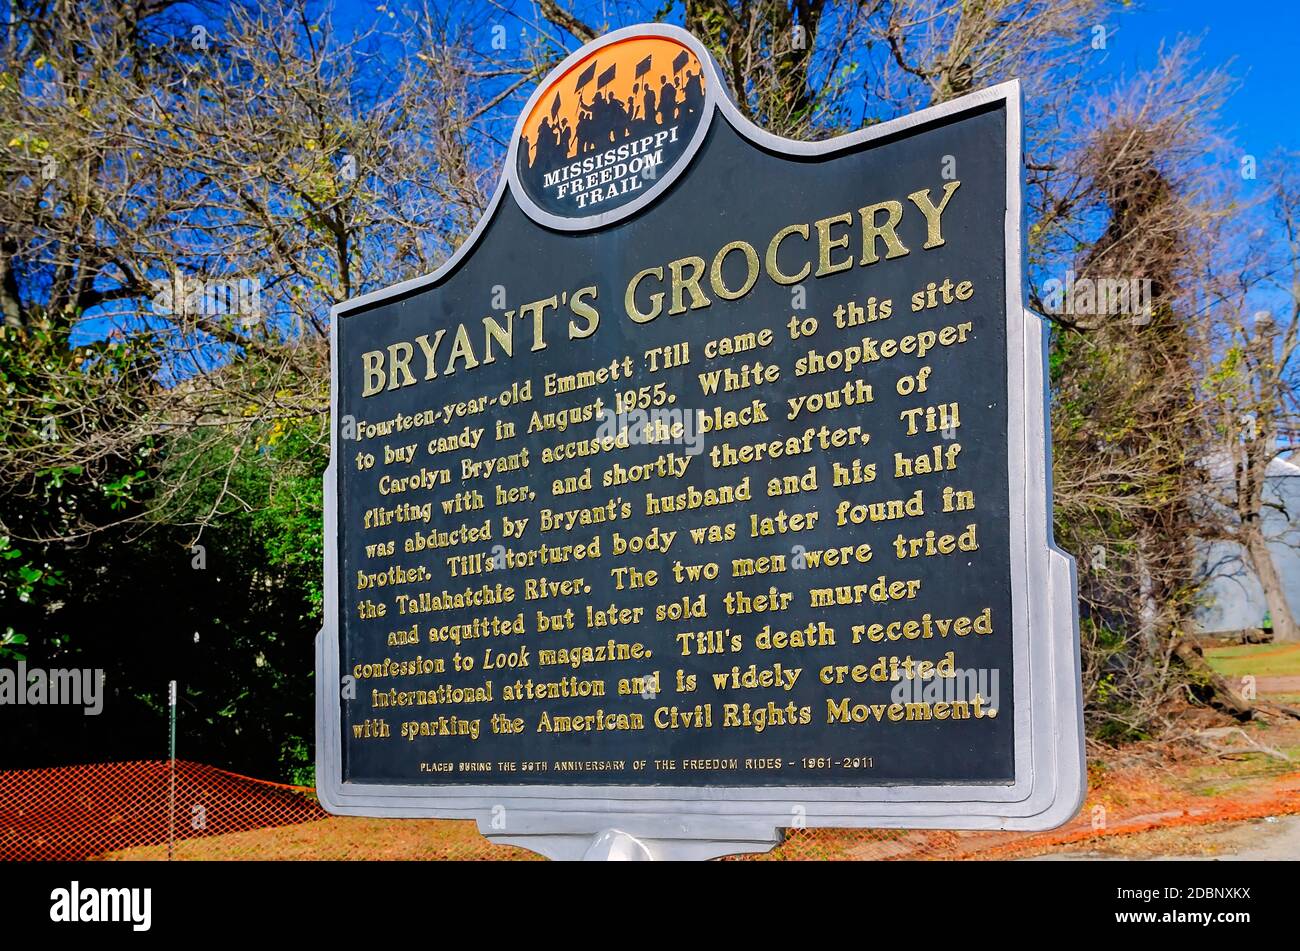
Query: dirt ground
(1220, 791)
(1240, 764)
(1273, 838)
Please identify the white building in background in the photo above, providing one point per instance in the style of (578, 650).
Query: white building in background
(1234, 601)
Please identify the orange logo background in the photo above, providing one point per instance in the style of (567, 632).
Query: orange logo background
(589, 108)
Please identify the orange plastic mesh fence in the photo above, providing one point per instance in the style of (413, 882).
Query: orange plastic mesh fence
(125, 810)
(77, 812)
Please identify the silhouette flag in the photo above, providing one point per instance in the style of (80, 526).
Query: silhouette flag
(680, 62)
(555, 106)
(586, 75)
(643, 67)
(606, 77)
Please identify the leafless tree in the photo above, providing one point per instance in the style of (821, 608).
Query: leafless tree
(1254, 397)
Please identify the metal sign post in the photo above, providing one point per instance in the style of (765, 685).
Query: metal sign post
(171, 762)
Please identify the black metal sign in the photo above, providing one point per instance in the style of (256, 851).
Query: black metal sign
(707, 463)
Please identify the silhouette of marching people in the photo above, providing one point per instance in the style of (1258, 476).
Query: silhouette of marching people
(606, 121)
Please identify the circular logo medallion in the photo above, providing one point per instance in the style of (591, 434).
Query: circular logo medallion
(611, 125)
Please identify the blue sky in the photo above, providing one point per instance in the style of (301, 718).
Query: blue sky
(1259, 41)
(1256, 40)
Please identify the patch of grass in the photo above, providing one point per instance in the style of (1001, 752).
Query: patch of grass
(1218, 776)
(1259, 660)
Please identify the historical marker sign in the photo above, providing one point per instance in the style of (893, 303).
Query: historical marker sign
(705, 491)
